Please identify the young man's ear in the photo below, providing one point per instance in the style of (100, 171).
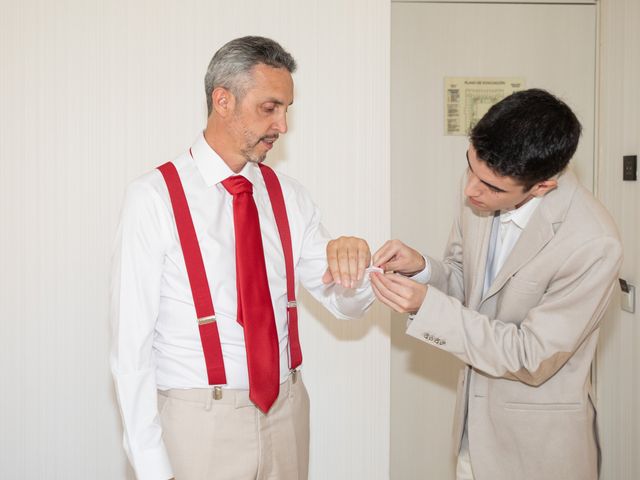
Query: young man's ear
(542, 188)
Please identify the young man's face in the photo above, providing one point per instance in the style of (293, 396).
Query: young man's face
(488, 192)
(261, 115)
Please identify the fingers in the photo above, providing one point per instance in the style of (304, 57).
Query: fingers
(385, 253)
(347, 264)
(327, 278)
(384, 299)
(347, 259)
(398, 257)
(398, 292)
(364, 259)
(391, 289)
(332, 262)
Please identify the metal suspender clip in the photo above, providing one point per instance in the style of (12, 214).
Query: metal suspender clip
(217, 392)
(293, 304)
(205, 320)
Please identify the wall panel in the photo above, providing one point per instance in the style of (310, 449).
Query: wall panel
(93, 94)
(618, 360)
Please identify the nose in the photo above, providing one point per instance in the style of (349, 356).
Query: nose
(281, 123)
(473, 186)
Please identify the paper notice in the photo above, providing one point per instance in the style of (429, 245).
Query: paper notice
(467, 99)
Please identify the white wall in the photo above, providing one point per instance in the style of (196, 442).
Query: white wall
(618, 361)
(93, 94)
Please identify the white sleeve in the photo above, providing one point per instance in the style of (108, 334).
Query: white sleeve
(424, 275)
(135, 295)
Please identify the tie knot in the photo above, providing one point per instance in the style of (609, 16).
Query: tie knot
(237, 184)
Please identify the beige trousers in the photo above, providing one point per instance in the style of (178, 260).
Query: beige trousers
(230, 439)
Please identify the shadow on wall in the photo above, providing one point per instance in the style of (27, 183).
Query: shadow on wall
(425, 361)
(341, 330)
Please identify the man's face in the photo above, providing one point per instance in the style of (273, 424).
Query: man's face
(260, 116)
(488, 192)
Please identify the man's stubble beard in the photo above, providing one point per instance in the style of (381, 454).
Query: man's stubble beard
(250, 142)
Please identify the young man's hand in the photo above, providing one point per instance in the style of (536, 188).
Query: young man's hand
(397, 257)
(398, 292)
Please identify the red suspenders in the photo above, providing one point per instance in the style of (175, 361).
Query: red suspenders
(198, 278)
(282, 222)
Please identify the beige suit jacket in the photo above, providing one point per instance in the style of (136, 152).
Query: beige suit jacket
(529, 342)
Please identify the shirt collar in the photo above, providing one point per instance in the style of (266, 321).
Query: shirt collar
(521, 215)
(214, 170)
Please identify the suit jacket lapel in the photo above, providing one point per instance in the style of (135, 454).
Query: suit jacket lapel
(478, 257)
(538, 232)
(534, 237)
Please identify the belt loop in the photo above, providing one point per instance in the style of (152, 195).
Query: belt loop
(207, 403)
(291, 384)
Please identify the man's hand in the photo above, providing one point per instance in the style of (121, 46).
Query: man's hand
(400, 293)
(397, 257)
(347, 258)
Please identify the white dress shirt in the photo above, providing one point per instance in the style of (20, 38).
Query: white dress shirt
(156, 341)
(506, 230)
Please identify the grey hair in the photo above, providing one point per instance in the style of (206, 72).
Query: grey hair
(230, 67)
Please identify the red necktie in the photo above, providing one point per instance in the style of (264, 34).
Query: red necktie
(255, 311)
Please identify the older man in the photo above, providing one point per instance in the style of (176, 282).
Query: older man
(209, 252)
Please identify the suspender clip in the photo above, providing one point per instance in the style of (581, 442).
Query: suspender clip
(217, 392)
(206, 320)
(292, 304)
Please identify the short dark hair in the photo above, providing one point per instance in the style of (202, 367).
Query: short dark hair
(530, 136)
(230, 66)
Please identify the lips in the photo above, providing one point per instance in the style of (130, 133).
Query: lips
(475, 202)
(268, 141)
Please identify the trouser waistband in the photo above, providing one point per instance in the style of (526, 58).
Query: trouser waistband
(239, 398)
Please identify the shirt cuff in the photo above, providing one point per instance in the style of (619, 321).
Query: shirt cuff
(425, 275)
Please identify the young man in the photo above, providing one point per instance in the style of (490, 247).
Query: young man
(528, 271)
(208, 253)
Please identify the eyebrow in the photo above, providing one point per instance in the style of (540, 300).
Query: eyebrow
(493, 187)
(276, 101)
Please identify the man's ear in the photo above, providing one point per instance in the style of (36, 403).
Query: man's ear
(223, 101)
(540, 189)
